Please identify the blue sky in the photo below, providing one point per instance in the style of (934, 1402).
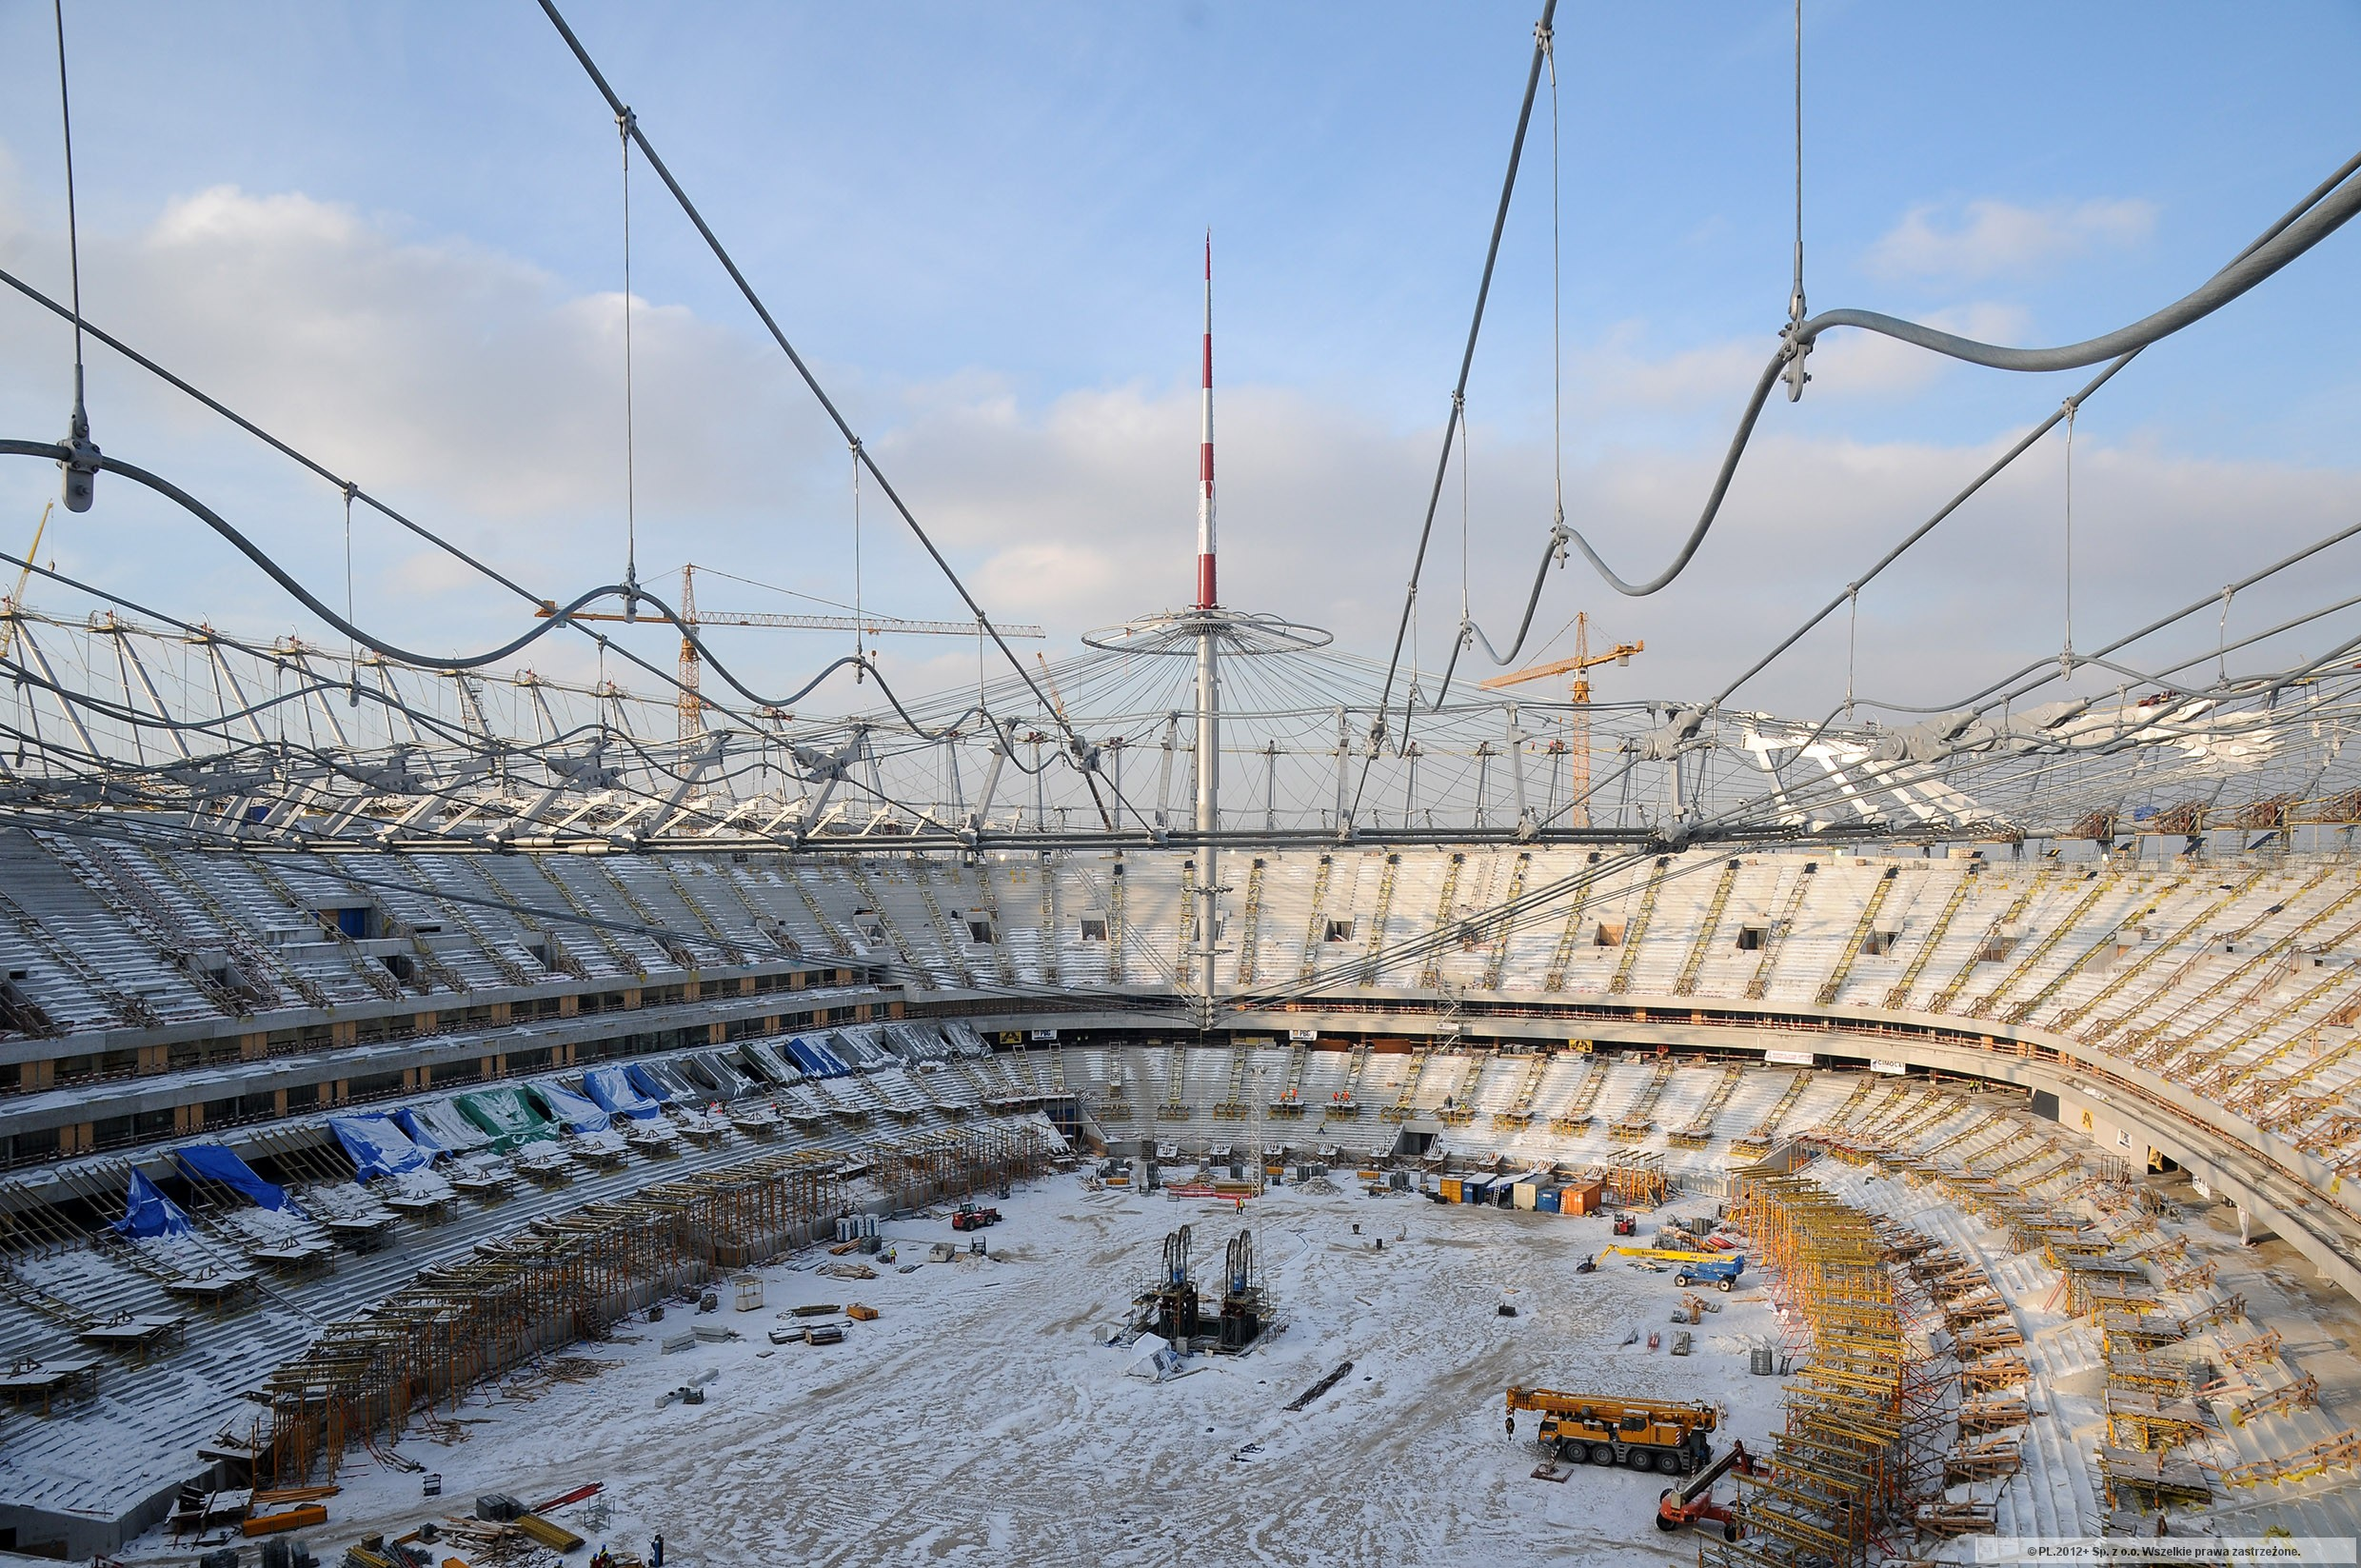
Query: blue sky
(393, 231)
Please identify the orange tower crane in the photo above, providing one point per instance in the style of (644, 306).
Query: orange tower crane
(692, 704)
(1579, 721)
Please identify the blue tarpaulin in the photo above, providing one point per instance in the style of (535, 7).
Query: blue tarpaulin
(417, 1132)
(577, 1113)
(612, 1088)
(147, 1212)
(377, 1146)
(649, 1083)
(212, 1162)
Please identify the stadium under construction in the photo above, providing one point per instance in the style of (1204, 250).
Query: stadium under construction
(420, 1084)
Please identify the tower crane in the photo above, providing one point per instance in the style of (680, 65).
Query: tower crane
(692, 704)
(1579, 721)
(15, 602)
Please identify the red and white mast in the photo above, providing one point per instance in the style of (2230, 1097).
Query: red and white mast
(1208, 677)
(1205, 597)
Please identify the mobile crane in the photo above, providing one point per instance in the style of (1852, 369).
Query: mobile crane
(1610, 1429)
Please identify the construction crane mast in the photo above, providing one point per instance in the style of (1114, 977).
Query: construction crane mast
(692, 704)
(1579, 721)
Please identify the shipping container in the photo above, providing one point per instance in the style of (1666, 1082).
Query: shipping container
(1547, 1201)
(1451, 1189)
(1583, 1196)
(1527, 1195)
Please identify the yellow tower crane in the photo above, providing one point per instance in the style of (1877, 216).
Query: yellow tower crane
(1579, 721)
(692, 705)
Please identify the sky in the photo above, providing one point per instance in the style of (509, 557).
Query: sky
(394, 236)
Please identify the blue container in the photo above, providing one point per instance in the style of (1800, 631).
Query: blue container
(1546, 1203)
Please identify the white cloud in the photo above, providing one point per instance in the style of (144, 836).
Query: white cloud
(1987, 238)
(486, 398)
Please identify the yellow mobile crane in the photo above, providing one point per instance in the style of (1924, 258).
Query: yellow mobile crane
(1610, 1429)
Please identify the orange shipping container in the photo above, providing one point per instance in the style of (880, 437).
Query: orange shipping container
(294, 1519)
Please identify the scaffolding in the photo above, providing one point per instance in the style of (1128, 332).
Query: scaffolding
(412, 1359)
(1866, 1424)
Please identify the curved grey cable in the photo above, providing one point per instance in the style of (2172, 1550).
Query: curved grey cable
(2322, 215)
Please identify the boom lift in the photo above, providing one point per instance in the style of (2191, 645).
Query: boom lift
(1693, 1502)
(1608, 1429)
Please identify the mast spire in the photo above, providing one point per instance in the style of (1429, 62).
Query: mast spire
(1206, 594)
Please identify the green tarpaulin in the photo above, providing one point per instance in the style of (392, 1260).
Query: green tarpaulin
(508, 1117)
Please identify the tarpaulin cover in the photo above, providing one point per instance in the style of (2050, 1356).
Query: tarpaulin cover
(212, 1162)
(614, 1091)
(807, 1058)
(507, 1116)
(377, 1146)
(578, 1114)
(147, 1212)
(438, 1127)
(657, 1086)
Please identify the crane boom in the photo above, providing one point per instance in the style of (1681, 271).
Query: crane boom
(1579, 719)
(876, 624)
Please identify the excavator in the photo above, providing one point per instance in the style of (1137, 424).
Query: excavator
(1677, 1507)
(1608, 1429)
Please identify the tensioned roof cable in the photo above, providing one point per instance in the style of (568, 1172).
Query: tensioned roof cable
(2323, 214)
(1082, 750)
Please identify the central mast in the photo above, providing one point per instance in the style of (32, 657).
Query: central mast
(1208, 673)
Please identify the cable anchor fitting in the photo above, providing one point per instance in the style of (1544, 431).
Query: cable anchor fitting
(80, 464)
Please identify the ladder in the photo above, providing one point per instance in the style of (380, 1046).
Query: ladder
(646, 917)
(1699, 1131)
(373, 975)
(1899, 995)
(1431, 974)
(1174, 1109)
(1290, 1100)
(1767, 1129)
(1499, 958)
(680, 890)
(920, 975)
(2023, 1011)
(1519, 1114)
(1686, 985)
(1116, 938)
(1759, 986)
(954, 946)
(510, 970)
(1637, 929)
(1634, 1124)
(1002, 965)
(1862, 928)
(1983, 1005)
(2262, 958)
(1232, 1106)
(2001, 922)
(1556, 979)
(2107, 993)
(1861, 1091)
(1402, 1110)
(1463, 1108)
(1316, 929)
(1577, 1113)
(1250, 924)
(1346, 1105)
(2262, 1026)
(1376, 922)
(838, 942)
(257, 963)
(1049, 924)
